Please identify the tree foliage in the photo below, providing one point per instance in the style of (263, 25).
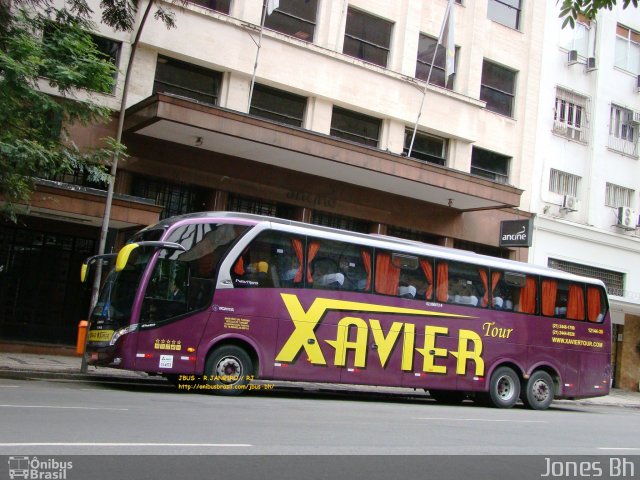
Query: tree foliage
(46, 44)
(570, 9)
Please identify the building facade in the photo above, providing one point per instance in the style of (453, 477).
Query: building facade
(586, 157)
(323, 136)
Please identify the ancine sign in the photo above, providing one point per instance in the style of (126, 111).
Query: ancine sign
(516, 233)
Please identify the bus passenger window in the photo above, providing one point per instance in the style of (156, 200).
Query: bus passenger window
(334, 265)
(596, 304)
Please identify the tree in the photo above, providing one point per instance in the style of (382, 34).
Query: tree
(589, 8)
(44, 44)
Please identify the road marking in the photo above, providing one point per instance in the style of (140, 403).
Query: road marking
(66, 408)
(93, 444)
(9, 386)
(620, 448)
(451, 419)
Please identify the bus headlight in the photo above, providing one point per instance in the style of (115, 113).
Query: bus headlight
(122, 331)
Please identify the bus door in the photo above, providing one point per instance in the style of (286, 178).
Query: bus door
(177, 296)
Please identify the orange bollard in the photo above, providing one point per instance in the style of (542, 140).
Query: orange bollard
(82, 333)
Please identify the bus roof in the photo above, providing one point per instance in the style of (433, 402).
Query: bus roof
(383, 241)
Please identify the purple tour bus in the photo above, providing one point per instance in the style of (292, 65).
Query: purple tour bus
(215, 300)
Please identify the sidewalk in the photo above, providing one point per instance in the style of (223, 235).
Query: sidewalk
(40, 365)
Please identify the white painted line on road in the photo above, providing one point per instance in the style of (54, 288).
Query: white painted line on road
(634, 449)
(93, 444)
(65, 408)
(451, 419)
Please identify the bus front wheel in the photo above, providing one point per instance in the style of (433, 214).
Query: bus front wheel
(538, 391)
(228, 370)
(504, 388)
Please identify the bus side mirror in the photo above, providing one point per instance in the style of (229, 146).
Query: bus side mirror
(125, 252)
(86, 265)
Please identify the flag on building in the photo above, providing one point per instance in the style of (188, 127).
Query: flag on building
(272, 5)
(448, 42)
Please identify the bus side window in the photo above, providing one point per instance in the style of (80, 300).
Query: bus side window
(513, 292)
(562, 299)
(335, 265)
(596, 304)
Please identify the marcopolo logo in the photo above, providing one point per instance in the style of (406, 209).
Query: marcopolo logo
(40, 469)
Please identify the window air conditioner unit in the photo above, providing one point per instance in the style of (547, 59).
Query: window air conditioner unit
(570, 203)
(627, 218)
(572, 58)
(591, 64)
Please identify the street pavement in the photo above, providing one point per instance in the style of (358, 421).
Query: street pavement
(17, 365)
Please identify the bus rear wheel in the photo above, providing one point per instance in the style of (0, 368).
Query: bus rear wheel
(228, 370)
(538, 391)
(504, 388)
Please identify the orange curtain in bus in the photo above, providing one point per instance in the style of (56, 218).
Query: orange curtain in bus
(297, 248)
(575, 303)
(549, 294)
(366, 261)
(387, 275)
(528, 296)
(485, 283)
(442, 288)
(238, 268)
(593, 304)
(428, 273)
(311, 254)
(495, 278)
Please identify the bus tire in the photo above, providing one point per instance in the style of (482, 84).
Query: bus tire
(538, 391)
(228, 370)
(447, 397)
(504, 388)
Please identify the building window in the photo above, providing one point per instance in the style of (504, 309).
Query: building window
(111, 50)
(221, 6)
(367, 37)
(341, 222)
(617, 196)
(480, 248)
(257, 206)
(175, 198)
(277, 105)
(414, 235)
(627, 53)
(577, 38)
(570, 115)
(498, 88)
(505, 12)
(426, 147)
(354, 126)
(295, 18)
(623, 131)
(426, 48)
(564, 183)
(187, 80)
(490, 165)
(614, 281)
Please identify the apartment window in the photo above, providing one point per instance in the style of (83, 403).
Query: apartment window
(491, 165)
(415, 235)
(570, 115)
(355, 127)
(498, 88)
(577, 38)
(614, 281)
(277, 105)
(187, 80)
(111, 51)
(176, 199)
(367, 37)
(295, 18)
(564, 183)
(623, 131)
(426, 48)
(237, 203)
(221, 6)
(505, 12)
(339, 221)
(617, 196)
(627, 52)
(427, 148)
